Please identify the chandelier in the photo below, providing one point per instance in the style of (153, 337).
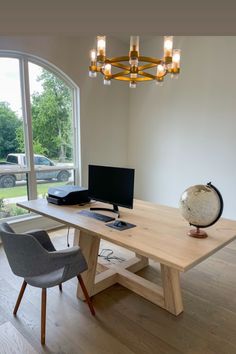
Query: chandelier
(134, 68)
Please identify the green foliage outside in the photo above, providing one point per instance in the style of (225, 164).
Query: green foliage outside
(51, 112)
(51, 121)
(52, 134)
(7, 210)
(9, 124)
(20, 191)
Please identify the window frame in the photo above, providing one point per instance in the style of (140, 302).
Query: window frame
(24, 60)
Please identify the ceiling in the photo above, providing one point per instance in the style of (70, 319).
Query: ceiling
(151, 17)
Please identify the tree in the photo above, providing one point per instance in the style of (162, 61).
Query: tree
(9, 125)
(51, 116)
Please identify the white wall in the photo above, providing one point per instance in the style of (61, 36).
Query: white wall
(178, 135)
(103, 111)
(185, 132)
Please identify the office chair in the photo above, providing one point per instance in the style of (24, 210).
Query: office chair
(33, 257)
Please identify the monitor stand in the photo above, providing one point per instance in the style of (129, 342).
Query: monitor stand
(114, 210)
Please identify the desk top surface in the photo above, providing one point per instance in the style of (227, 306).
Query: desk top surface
(160, 234)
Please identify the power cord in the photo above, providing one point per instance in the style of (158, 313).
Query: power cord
(106, 253)
(67, 237)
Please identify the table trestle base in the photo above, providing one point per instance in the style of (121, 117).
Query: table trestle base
(167, 297)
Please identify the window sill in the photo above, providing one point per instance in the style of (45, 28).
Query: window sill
(32, 221)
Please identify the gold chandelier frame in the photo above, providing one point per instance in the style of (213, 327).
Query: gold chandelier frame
(117, 63)
(134, 66)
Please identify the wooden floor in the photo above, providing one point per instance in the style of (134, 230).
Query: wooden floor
(125, 323)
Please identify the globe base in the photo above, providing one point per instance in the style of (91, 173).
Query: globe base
(197, 233)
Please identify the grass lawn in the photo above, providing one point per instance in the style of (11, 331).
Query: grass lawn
(20, 191)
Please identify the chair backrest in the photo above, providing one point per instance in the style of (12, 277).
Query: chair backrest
(24, 253)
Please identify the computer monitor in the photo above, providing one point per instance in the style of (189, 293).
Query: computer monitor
(113, 185)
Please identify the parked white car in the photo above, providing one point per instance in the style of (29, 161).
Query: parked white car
(8, 178)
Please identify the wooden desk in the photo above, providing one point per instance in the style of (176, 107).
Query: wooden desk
(161, 235)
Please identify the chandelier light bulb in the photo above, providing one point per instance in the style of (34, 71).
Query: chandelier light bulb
(132, 84)
(175, 66)
(107, 82)
(133, 76)
(176, 56)
(101, 44)
(92, 74)
(93, 55)
(174, 76)
(134, 50)
(168, 42)
(159, 82)
(168, 46)
(107, 69)
(160, 70)
(176, 62)
(101, 48)
(134, 44)
(133, 62)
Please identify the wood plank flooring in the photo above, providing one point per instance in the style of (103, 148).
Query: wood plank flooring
(12, 341)
(125, 323)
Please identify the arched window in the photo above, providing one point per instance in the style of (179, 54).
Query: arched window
(39, 130)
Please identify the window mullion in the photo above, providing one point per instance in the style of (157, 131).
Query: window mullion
(76, 142)
(26, 110)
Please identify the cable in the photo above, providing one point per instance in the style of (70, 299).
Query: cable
(67, 237)
(108, 257)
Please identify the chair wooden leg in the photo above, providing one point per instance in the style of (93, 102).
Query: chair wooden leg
(60, 287)
(43, 315)
(86, 295)
(22, 290)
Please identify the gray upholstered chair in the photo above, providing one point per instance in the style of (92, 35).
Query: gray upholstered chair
(33, 257)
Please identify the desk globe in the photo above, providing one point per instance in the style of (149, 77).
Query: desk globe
(201, 205)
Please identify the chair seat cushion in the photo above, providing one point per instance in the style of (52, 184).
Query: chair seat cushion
(46, 280)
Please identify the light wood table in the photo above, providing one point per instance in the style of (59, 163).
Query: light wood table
(160, 234)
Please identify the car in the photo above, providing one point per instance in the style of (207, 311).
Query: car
(17, 161)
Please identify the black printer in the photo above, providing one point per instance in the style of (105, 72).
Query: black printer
(68, 195)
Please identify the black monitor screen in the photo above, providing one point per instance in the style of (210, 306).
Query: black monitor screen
(113, 185)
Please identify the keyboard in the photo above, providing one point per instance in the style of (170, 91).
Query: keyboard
(97, 216)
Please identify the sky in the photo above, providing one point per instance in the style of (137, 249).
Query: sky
(10, 82)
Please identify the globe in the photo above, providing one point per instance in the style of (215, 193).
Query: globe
(201, 205)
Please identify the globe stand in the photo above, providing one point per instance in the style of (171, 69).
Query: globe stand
(197, 233)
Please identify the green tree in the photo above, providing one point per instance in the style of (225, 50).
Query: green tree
(20, 139)
(39, 149)
(10, 124)
(51, 117)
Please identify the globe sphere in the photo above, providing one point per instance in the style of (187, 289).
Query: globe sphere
(201, 205)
